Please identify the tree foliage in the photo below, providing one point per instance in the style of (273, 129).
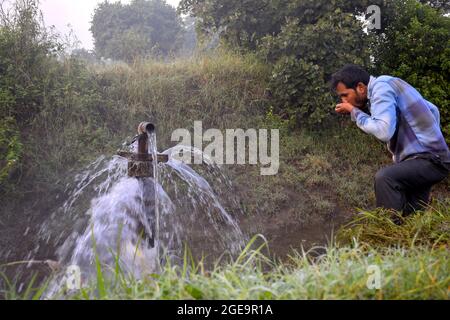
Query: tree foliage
(139, 29)
(242, 22)
(25, 48)
(304, 41)
(415, 46)
(320, 37)
(443, 5)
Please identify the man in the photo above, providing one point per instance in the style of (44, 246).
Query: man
(408, 123)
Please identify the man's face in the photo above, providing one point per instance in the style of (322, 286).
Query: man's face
(357, 97)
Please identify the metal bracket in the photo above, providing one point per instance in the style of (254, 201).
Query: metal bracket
(140, 165)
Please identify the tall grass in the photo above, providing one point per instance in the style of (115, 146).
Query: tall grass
(385, 228)
(341, 273)
(413, 260)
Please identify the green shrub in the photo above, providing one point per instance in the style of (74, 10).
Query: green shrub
(26, 54)
(415, 46)
(305, 54)
(10, 149)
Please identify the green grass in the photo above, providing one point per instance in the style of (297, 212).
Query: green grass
(413, 260)
(342, 273)
(384, 228)
(320, 173)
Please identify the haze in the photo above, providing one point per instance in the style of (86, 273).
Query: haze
(75, 15)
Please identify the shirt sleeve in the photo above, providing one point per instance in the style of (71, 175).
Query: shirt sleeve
(435, 112)
(382, 120)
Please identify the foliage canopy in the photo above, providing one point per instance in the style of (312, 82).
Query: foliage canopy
(139, 29)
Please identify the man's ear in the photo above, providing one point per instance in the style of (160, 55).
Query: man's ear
(361, 88)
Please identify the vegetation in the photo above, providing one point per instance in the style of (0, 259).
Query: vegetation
(136, 30)
(303, 41)
(309, 48)
(415, 46)
(378, 228)
(24, 69)
(306, 41)
(61, 111)
(241, 23)
(413, 264)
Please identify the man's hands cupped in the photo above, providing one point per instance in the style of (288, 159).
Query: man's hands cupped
(344, 108)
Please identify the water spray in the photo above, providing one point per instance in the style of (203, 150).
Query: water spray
(144, 164)
(128, 202)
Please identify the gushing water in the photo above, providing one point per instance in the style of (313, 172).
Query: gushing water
(152, 149)
(133, 223)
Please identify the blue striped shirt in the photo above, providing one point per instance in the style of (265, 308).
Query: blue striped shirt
(402, 118)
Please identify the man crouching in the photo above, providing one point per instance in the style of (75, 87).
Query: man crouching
(408, 123)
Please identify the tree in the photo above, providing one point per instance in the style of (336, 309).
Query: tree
(138, 29)
(443, 5)
(244, 22)
(317, 39)
(190, 36)
(26, 51)
(415, 46)
(304, 41)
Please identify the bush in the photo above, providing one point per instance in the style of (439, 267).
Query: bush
(305, 54)
(415, 46)
(10, 149)
(26, 50)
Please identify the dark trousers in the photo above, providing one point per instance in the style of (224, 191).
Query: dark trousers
(406, 186)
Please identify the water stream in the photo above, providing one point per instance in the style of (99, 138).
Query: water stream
(138, 223)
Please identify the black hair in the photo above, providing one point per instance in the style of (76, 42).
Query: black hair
(350, 75)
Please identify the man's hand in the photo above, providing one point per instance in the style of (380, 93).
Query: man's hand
(344, 108)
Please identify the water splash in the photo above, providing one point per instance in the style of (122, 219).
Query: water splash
(200, 199)
(122, 227)
(127, 221)
(152, 149)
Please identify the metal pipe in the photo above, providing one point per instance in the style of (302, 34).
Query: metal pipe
(143, 145)
(140, 163)
(146, 127)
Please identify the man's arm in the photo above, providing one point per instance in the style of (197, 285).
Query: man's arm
(383, 119)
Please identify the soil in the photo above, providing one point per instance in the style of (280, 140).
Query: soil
(285, 234)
